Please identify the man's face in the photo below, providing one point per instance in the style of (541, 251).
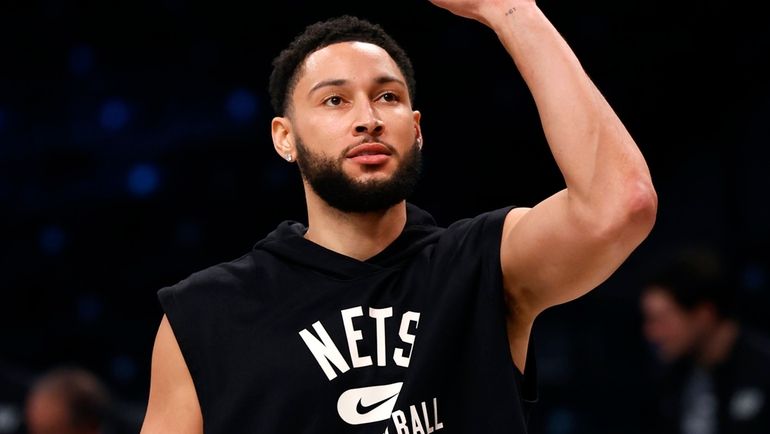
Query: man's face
(47, 413)
(353, 128)
(674, 331)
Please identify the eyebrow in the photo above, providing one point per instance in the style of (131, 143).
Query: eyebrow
(383, 79)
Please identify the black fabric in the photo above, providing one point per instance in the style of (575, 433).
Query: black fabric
(741, 391)
(247, 328)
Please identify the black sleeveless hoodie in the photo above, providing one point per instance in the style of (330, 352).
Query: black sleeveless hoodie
(295, 338)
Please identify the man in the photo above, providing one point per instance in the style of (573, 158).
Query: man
(717, 379)
(371, 319)
(67, 401)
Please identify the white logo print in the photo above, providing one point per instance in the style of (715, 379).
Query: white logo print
(368, 404)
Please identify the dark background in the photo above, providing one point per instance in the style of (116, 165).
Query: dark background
(135, 149)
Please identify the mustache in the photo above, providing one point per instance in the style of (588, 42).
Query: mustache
(369, 139)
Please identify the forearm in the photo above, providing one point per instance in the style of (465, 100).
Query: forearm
(602, 166)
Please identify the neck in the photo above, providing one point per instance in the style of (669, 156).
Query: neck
(356, 235)
(717, 345)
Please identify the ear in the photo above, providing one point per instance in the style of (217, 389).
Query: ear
(417, 128)
(282, 138)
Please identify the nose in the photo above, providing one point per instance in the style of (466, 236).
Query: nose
(368, 121)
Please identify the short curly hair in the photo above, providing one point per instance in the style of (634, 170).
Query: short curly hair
(287, 65)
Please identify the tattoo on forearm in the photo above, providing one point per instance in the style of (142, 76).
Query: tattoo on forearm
(510, 11)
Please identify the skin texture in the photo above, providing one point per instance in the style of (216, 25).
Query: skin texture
(173, 405)
(552, 253)
(574, 240)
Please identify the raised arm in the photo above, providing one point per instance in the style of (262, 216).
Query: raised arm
(173, 405)
(574, 240)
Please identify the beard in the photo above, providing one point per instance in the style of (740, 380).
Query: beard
(326, 177)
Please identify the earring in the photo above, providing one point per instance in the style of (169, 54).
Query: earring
(288, 157)
(419, 143)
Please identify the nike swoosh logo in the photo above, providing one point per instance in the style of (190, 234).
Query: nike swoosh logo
(361, 408)
(368, 404)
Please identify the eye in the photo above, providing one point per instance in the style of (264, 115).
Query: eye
(333, 101)
(389, 97)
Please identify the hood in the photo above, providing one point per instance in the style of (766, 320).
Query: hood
(288, 243)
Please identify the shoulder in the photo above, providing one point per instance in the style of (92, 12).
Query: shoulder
(221, 284)
(225, 274)
(488, 222)
(513, 217)
(473, 240)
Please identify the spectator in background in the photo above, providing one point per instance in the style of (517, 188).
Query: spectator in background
(717, 373)
(67, 401)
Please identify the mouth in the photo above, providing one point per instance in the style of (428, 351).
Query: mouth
(369, 153)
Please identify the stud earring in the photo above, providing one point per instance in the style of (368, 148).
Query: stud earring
(288, 157)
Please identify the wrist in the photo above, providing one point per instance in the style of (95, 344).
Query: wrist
(499, 15)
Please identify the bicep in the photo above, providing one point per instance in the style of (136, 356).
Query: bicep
(550, 256)
(173, 404)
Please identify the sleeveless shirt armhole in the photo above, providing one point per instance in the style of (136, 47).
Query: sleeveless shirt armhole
(495, 221)
(527, 381)
(172, 309)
